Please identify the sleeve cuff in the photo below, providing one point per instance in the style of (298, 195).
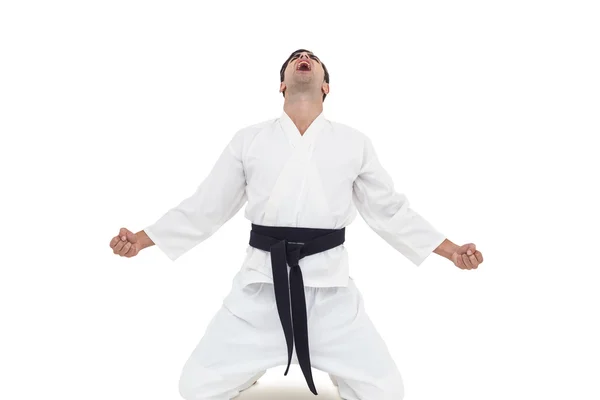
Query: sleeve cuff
(426, 252)
(159, 243)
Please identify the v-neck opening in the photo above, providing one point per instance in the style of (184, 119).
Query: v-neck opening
(293, 133)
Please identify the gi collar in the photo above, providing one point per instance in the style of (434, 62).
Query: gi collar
(293, 134)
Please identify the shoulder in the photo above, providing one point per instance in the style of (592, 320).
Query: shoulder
(244, 137)
(257, 127)
(248, 132)
(348, 132)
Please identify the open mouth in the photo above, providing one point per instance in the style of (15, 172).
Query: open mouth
(303, 66)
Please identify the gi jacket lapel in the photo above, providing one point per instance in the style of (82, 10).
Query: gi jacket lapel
(294, 172)
(293, 134)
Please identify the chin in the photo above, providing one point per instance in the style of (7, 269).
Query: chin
(304, 79)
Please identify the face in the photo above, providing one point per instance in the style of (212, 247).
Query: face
(304, 72)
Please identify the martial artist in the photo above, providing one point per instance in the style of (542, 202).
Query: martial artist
(302, 178)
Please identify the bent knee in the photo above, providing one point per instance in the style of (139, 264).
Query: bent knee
(392, 387)
(199, 383)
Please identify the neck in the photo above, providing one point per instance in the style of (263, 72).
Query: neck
(302, 110)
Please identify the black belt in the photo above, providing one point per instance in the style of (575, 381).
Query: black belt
(288, 245)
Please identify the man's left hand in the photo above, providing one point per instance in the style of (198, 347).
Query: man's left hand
(467, 257)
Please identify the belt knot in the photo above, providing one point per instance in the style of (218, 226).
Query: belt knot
(294, 253)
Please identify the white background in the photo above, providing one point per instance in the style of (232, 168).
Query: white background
(486, 115)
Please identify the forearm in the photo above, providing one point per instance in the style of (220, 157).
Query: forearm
(446, 249)
(144, 240)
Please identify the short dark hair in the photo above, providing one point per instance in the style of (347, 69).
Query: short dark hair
(285, 64)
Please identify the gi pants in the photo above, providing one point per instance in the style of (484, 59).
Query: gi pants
(245, 338)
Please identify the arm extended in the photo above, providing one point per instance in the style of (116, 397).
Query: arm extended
(389, 214)
(218, 198)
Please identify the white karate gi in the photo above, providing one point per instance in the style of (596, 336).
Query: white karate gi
(316, 180)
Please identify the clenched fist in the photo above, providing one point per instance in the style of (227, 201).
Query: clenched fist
(126, 244)
(467, 257)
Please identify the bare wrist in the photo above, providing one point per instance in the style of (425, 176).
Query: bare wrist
(446, 249)
(144, 239)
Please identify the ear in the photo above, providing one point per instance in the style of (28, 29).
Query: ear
(325, 88)
(281, 87)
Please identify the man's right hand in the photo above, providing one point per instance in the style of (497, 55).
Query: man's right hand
(126, 244)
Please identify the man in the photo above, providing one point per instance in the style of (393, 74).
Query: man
(303, 178)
